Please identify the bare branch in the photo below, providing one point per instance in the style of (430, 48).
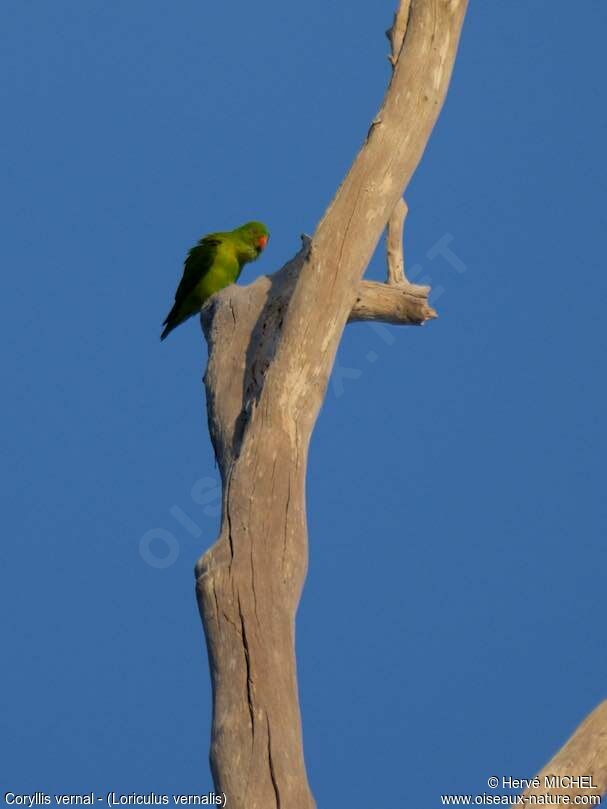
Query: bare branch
(394, 244)
(401, 304)
(271, 349)
(396, 223)
(396, 34)
(348, 233)
(585, 754)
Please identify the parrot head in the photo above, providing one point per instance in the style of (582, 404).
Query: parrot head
(255, 234)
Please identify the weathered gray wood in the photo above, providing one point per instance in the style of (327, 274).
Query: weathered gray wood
(396, 223)
(403, 304)
(271, 349)
(585, 754)
(394, 244)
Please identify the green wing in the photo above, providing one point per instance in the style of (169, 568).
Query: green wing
(198, 263)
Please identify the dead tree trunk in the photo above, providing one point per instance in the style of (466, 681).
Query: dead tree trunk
(271, 349)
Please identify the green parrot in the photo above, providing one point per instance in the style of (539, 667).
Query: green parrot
(214, 263)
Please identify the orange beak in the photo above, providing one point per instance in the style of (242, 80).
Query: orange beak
(262, 241)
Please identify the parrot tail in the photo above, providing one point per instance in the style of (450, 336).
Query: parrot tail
(171, 322)
(166, 331)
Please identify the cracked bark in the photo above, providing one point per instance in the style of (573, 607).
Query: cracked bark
(271, 348)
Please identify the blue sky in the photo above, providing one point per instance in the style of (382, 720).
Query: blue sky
(451, 624)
